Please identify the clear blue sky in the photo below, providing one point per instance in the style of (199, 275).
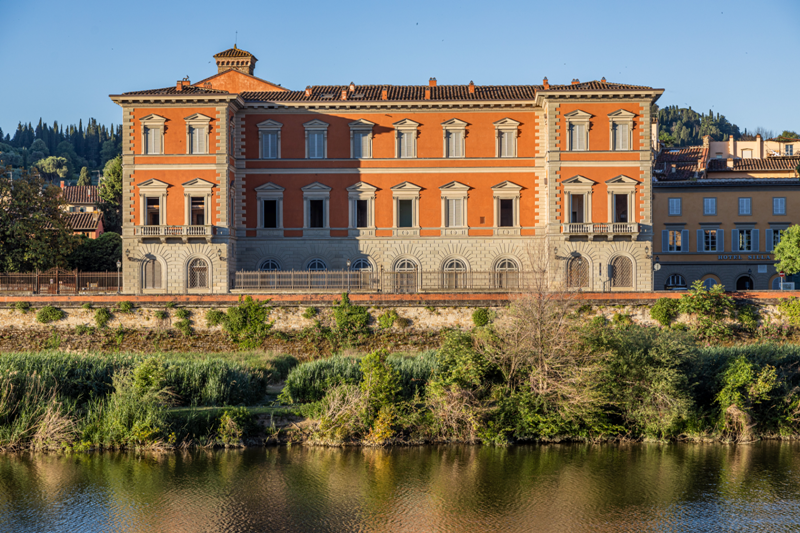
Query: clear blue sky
(60, 60)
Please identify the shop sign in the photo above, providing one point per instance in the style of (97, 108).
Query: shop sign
(748, 257)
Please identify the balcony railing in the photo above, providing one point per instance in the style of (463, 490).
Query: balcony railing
(601, 228)
(174, 231)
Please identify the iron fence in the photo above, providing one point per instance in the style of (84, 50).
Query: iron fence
(413, 281)
(60, 281)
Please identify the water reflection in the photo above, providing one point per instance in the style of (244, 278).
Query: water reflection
(448, 488)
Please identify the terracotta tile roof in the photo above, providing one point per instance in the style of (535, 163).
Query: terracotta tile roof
(187, 89)
(727, 182)
(687, 153)
(754, 164)
(234, 52)
(81, 195)
(683, 171)
(322, 93)
(82, 221)
(597, 86)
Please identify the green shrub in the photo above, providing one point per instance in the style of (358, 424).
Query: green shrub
(80, 329)
(402, 322)
(48, 314)
(431, 309)
(387, 319)
(310, 312)
(621, 319)
(182, 313)
(599, 320)
(678, 326)
(87, 305)
(185, 327)
(169, 305)
(161, 315)
(235, 424)
(790, 309)
(125, 306)
(351, 320)
(277, 367)
(748, 316)
(380, 381)
(665, 310)
(22, 307)
(101, 317)
(149, 376)
(480, 317)
(246, 323)
(214, 318)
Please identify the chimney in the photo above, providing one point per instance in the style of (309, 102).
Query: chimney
(344, 94)
(729, 162)
(182, 83)
(62, 184)
(760, 141)
(546, 83)
(576, 81)
(432, 82)
(352, 87)
(706, 141)
(384, 94)
(673, 169)
(603, 79)
(427, 93)
(308, 90)
(471, 87)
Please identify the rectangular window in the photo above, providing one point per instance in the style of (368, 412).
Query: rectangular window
(789, 150)
(506, 213)
(197, 138)
(674, 206)
(361, 145)
(270, 208)
(405, 213)
(744, 206)
(747, 154)
(620, 208)
(507, 144)
(577, 137)
(316, 213)
(709, 206)
(316, 145)
(152, 139)
(710, 240)
(405, 143)
(745, 240)
(198, 205)
(454, 144)
(776, 237)
(576, 208)
(269, 145)
(779, 206)
(153, 212)
(361, 214)
(675, 241)
(621, 136)
(454, 218)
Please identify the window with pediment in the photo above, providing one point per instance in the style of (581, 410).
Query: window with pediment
(454, 133)
(621, 128)
(578, 123)
(454, 204)
(406, 138)
(269, 135)
(361, 139)
(507, 131)
(361, 199)
(197, 129)
(316, 139)
(153, 127)
(578, 197)
(269, 206)
(316, 201)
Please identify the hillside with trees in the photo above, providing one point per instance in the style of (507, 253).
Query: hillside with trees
(61, 152)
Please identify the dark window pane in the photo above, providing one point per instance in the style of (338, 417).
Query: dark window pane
(153, 218)
(405, 218)
(198, 217)
(361, 214)
(270, 213)
(506, 213)
(315, 213)
(620, 208)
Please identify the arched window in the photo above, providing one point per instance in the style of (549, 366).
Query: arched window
(455, 274)
(270, 265)
(198, 274)
(361, 265)
(506, 274)
(405, 276)
(316, 265)
(709, 283)
(151, 274)
(621, 272)
(675, 281)
(577, 273)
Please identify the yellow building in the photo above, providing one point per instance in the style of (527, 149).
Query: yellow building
(719, 210)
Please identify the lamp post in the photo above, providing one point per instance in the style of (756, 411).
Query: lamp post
(656, 268)
(348, 276)
(119, 264)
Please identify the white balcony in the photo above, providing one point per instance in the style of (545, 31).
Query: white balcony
(182, 232)
(600, 228)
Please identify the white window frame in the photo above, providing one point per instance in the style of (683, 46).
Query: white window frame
(406, 191)
(194, 189)
(621, 117)
(717, 236)
(155, 123)
(402, 128)
(779, 205)
(672, 202)
(457, 130)
(712, 201)
(788, 150)
(153, 188)
(747, 202)
(578, 185)
(316, 191)
(361, 191)
(455, 192)
(578, 118)
(675, 247)
(506, 190)
(195, 124)
(504, 127)
(740, 237)
(269, 191)
(362, 127)
(622, 185)
(266, 128)
(316, 127)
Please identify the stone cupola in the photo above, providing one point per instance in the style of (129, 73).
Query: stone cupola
(235, 59)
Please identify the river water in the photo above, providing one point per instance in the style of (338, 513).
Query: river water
(638, 487)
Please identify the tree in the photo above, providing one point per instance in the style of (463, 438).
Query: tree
(85, 179)
(667, 139)
(52, 168)
(38, 150)
(787, 252)
(789, 134)
(97, 255)
(110, 191)
(9, 157)
(34, 232)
